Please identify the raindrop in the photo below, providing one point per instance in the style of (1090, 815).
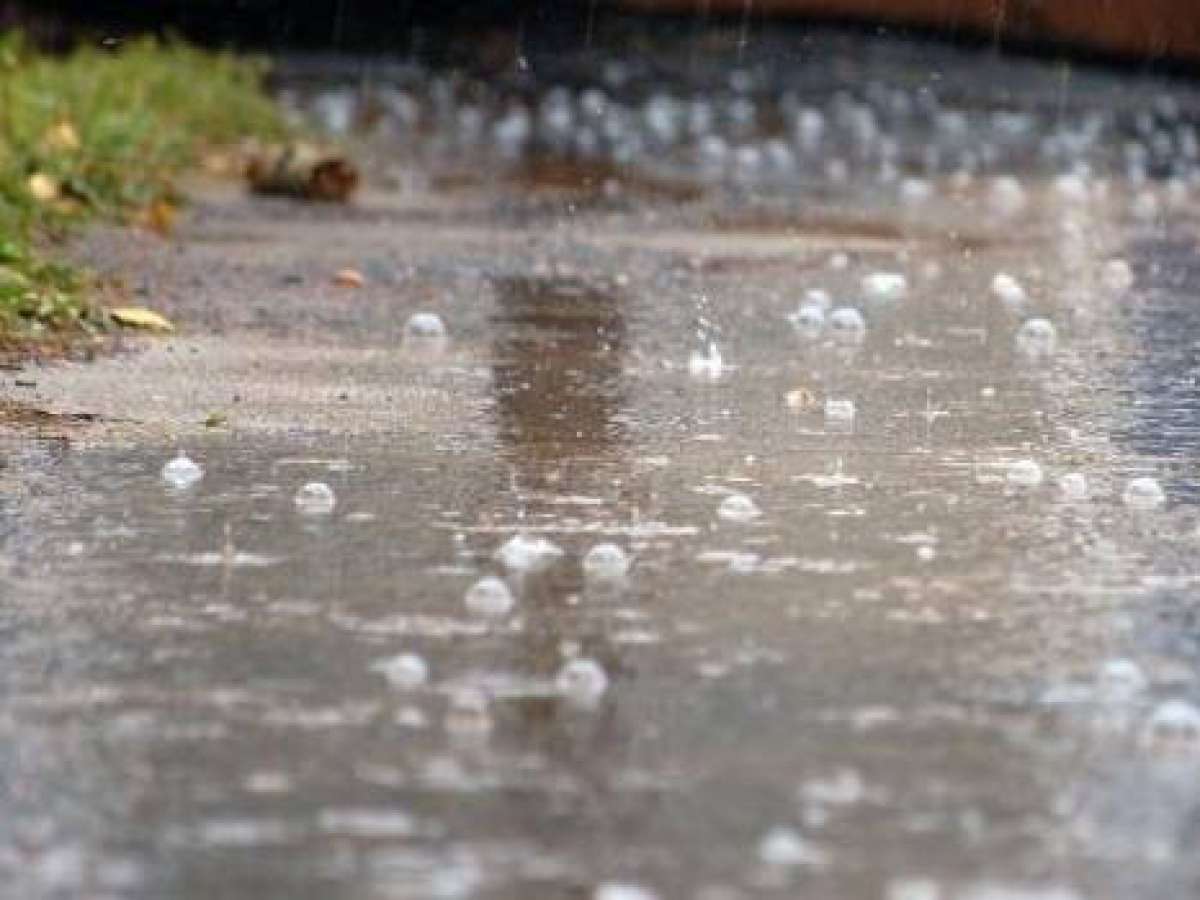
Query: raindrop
(1037, 339)
(582, 681)
(182, 472)
(738, 508)
(782, 846)
(315, 499)
(885, 286)
(606, 561)
(1173, 723)
(404, 671)
(490, 597)
(1144, 493)
(1073, 486)
(1024, 473)
(523, 553)
(847, 326)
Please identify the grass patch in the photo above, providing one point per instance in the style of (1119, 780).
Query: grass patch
(103, 134)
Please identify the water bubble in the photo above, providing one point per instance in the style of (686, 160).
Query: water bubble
(1024, 473)
(844, 787)
(707, 364)
(847, 326)
(915, 191)
(407, 670)
(1009, 291)
(606, 561)
(1173, 723)
(808, 320)
(783, 846)
(1144, 493)
(1073, 486)
(839, 413)
(425, 332)
(1116, 275)
(490, 597)
(738, 508)
(1037, 339)
(182, 472)
(1121, 679)
(315, 498)
(523, 553)
(1071, 187)
(819, 298)
(885, 286)
(620, 890)
(582, 681)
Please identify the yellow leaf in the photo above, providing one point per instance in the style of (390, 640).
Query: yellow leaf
(62, 136)
(42, 187)
(139, 317)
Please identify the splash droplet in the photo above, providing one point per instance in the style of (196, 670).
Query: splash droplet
(523, 553)
(582, 681)
(407, 670)
(1144, 493)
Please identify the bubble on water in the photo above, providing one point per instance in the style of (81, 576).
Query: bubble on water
(808, 320)
(707, 363)
(1073, 486)
(490, 597)
(1009, 291)
(839, 413)
(315, 499)
(1006, 195)
(738, 508)
(1120, 680)
(885, 286)
(425, 332)
(1024, 473)
(1037, 339)
(926, 553)
(406, 670)
(582, 681)
(525, 553)
(606, 561)
(847, 326)
(182, 472)
(1144, 493)
(839, 262)
(623, 890)
(783, 846)
(1117, 275)
(1173, 723)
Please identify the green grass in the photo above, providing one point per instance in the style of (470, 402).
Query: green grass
(100, 134)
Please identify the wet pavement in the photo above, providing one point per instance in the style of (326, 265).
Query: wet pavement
(870, 643)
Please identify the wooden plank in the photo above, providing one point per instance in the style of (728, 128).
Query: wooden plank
(1141, 28)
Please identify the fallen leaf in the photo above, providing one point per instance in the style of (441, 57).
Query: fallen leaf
(139, 317)
(351, 278)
